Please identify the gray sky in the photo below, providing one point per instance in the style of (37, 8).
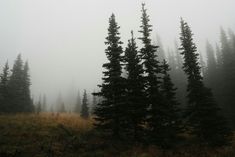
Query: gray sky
(64, 39)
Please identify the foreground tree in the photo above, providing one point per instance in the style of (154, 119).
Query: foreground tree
(109, 111)
(135, 110)
(171, 110)
(152, 71)
(202, 114)
(85, 109)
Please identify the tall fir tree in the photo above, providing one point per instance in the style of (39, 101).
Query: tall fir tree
(171, 120)
(108, 113)
(152, 73)
(16, 87)
(26, 102)
(135, 110)
(4, 90)
(85, 109)
(203, 118)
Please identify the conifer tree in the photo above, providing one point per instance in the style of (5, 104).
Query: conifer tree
(85, 109)
(135, 110)
(171, 110)
(202, 112)
(152, 71)
(4, 90)
(228, 73)
(109, 111)
(26, 102)
(16, 88)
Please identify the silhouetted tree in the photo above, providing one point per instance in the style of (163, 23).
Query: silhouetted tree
(109, 112)
(26, 102)
(16, 87)
(202, 114)
(152, 71)
(85, 109)
(170, 110)
(135, 108)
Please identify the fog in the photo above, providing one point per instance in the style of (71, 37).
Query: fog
(63, 40)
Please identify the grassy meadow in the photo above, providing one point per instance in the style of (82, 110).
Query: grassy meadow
(68, 135)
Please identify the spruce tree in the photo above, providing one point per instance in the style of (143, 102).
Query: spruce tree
(85, 109)
(152, 73)
(202, 112)
(4, 90)
(16, 86)
(135, 110)
(26, 102)
(108, 113)
(171, 110)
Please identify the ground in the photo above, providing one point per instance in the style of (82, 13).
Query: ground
(68, 135)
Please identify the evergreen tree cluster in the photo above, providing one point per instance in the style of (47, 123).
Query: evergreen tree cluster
(220, 72)
(142, 103)
(15, 88)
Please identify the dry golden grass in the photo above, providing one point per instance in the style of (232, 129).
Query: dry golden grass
(68, 135)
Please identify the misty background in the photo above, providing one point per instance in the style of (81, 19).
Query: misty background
(63, 40)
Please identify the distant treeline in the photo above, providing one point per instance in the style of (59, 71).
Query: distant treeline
(139, 95)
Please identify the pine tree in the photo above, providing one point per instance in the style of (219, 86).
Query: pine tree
(4, 90)
(203, 118)
(171, 115)
(85, 109)
(152, 70)
(16, 87)
(26, 102)
(109, 112)
(135, 110)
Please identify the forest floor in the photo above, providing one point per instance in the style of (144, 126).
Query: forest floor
(68, 135)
